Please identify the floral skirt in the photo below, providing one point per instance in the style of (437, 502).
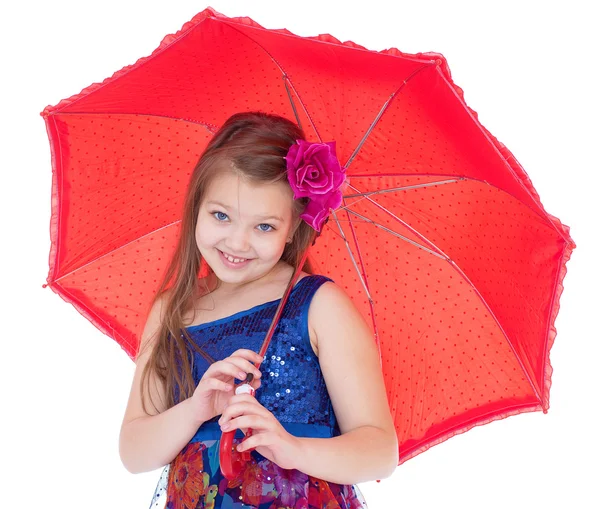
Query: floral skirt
(193, 480)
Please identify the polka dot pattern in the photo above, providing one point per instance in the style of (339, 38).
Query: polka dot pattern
(463, 264)
(123, 180)
(455, 333)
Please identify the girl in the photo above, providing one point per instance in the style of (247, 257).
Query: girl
(320, 421)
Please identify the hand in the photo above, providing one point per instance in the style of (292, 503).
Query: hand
(269, 437)
(216, 385)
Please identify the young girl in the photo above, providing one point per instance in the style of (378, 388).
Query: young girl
(320, 419)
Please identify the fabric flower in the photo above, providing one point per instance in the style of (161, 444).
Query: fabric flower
(187, 480)
(314, 172)
(316, 213)
(291, 484)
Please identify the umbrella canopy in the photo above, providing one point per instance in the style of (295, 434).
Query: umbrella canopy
(441, 240)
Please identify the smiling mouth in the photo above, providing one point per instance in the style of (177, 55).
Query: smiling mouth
(233, 259)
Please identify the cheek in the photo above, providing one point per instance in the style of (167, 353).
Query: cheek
(206, 234)
(272, 248)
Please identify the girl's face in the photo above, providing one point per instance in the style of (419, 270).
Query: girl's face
(242, 228)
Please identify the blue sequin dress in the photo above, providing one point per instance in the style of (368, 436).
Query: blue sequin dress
(292, 388)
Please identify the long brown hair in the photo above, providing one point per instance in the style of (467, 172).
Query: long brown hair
(256, 143)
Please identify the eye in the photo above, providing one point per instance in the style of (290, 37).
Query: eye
(219, 216)
(267, 229)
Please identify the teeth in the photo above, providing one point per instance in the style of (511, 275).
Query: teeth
(233, 260)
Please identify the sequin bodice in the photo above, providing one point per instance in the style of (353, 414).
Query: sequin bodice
(292, 385)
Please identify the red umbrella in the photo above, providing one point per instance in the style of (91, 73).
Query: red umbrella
(441, 240)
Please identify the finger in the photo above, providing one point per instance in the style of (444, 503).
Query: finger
(233, 410)
(208, 383)
(254, 441)
(249, 364)
(236, 408)
(226, 368)
(251, 355)
(219, 385)
(245, 366)
(255, 422)
(236, 367)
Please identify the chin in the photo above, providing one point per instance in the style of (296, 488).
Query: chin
(228, 277)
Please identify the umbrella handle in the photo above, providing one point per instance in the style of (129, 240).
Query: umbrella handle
(230, 459)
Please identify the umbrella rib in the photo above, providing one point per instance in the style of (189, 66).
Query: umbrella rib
(117, 249)
(541, 214)
(371, 301)
(403, 188)
(285, 77)
(352, 257)
(363, 195)
(211, 128)
(363, 281)
(333, 231)
(287, 89)
(460, 271)
(364, 138)
(402, 222)
(367, 220)
(382, 110)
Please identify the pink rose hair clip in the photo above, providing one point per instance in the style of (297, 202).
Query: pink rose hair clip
(314, 172)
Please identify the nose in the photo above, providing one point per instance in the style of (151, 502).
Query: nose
(238, 241)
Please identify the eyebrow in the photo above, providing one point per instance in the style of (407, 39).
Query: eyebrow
(278, 218)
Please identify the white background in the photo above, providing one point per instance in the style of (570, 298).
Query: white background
(529, 69)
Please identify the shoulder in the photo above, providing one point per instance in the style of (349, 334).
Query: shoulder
(330, 305)
(154, 319)
(330, 297)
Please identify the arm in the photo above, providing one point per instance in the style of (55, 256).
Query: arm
(147, 442)
(367, 449)
(360, 455)
(151, 442)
